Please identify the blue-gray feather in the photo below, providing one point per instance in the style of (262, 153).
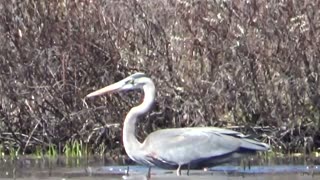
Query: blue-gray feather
(197, 147)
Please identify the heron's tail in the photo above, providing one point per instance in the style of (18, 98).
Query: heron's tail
(251, 145)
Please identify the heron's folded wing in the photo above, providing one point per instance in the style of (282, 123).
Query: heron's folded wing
(188, 144)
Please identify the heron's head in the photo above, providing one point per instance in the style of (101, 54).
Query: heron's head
(135, 81)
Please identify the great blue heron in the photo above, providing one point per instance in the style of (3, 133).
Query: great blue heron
(177, 148)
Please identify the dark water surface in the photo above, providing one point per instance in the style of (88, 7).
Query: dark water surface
(95, 168)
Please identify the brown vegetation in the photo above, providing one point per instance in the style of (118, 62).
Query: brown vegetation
(253, 65)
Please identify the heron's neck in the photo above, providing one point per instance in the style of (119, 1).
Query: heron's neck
(131, 143)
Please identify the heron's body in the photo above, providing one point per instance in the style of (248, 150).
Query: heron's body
(202, 147)
(177, 148)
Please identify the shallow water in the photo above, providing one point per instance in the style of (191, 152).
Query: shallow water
(103, 168)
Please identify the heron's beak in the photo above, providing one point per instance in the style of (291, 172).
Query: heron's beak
(111, 88)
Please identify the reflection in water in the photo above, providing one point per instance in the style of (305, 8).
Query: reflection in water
(103, 168)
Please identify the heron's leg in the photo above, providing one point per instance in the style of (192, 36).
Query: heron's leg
(179, 170)
(127, 173)
(246, 164)
(188, 169)
(149, 173)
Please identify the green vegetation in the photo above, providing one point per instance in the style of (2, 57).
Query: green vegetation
(253, 67)
(1, 152)
(52, 151)
(74, 149)
(13, 153)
